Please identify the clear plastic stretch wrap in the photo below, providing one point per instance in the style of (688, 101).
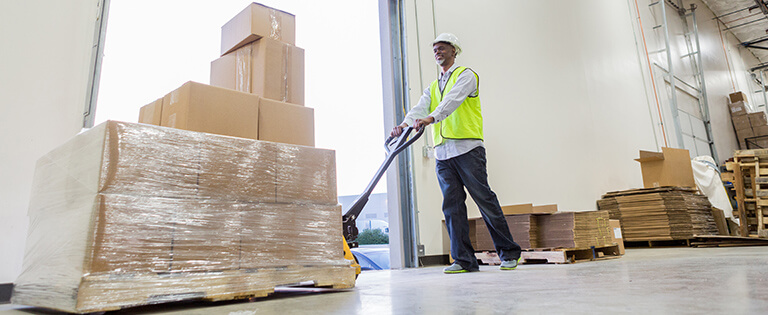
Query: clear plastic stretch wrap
(130, 214)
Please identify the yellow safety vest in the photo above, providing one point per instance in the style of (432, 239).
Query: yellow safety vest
(464, 123)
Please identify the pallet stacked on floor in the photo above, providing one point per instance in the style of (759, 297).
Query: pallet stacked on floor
(191, 203)
(664, 213)
(130, 214)
(750, 169)
(555, 237)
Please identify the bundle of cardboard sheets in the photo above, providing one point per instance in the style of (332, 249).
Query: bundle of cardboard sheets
(575, 229)
(523, 228)
(665, 213)
(128, 214)
(581, 229)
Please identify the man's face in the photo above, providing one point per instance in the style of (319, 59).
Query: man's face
(444, 52)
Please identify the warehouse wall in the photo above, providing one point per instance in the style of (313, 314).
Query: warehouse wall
(566, 96)
(45, 57)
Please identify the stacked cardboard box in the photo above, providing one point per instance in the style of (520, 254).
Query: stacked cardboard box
(746, 123)
(665, 213)
(121, 205)
(259, 55)
(257, 86)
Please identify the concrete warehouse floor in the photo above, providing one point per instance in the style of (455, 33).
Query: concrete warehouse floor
(648, 280)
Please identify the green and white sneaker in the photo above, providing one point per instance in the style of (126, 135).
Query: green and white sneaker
(455, 268)
(510, 264)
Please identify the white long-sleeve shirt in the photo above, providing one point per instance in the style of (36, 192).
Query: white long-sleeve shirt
(466, 85)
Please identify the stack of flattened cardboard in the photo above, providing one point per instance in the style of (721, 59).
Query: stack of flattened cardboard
(257, 86)
(523, 227)
(575, 229)
(128, 214)
(664, 213)
(544, 227)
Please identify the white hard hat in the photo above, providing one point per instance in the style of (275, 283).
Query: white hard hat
(449, 38)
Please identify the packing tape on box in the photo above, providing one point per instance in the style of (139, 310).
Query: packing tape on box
(276, 21)
(125, 213)
(243, 68)
(286, 61)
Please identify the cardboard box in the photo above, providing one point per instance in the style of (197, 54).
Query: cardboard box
(737, 109)
(306, 175)
(760, 131)
(204, 108)
(269, 68)
(745, 133)
(741, 122)
(517, 209)
(266, 242)
(544, 209)
(757, 119)
(528, 209)
(671, 167)
(738, 97)
(206, 237)
(758, 144)
(256, 22)
(243, 169)
(118, 220)
(616, 234)
(286, 123)
(152, 113)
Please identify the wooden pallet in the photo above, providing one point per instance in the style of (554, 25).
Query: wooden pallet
(570, 255)
(110, 292)
(556, 255)
(661, 242)
(751, 175)
(727, 241)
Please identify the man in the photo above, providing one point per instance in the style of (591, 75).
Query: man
(452, 106)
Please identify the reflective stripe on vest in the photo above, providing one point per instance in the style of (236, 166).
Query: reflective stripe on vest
(464, 123)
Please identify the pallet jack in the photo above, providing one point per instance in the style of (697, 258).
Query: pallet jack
(393, 146)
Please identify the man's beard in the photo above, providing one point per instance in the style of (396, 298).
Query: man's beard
(440, 62)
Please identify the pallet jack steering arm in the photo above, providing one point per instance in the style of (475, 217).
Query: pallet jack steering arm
(393, 146)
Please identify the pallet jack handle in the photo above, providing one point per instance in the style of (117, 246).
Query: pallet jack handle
(393, 146)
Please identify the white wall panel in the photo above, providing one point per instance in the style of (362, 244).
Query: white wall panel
(566, 93)
(45, 54)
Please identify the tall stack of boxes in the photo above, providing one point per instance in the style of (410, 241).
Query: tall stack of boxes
(191, 203)
(257, 85)
(747, 124)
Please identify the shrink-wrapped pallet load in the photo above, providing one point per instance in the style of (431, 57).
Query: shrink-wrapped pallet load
(129, 214)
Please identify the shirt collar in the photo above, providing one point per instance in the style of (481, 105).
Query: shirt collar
(450, 70)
